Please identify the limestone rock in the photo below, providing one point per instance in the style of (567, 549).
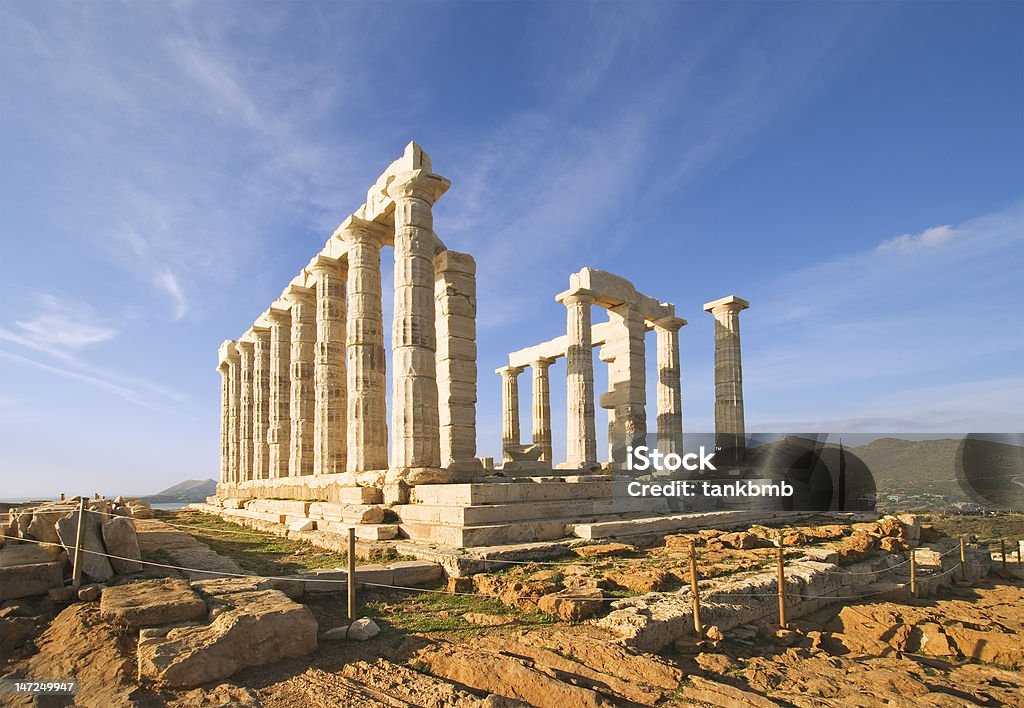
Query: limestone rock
(486, 620)
(363, 629)
(151, 602)
(43, 525)
(604, 549)
(90, 593)
(715, 663)
(254, 629)
(426, 475)
(743, 540)
(31, 579)
(13, 631)
(93, 561)
(989, 646)
(121, 540)
(335, 634)
(642, 581)
(572, 605)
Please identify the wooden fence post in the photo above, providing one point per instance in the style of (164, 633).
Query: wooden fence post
(782, 589)
(76, 567)
(963, 560)
(695, 592)
(913, 572)
(351, 574)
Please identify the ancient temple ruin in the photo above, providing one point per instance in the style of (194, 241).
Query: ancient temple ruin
(304, 435)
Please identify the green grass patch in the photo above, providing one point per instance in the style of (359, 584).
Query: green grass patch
(987, 529)
(427, 613)
(255, 551)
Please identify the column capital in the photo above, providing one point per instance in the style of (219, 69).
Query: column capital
(243, 346)
(279, 312)
(418, 184)
(226, 353)
(298, 295)
(729, 304)
(324, 265)
(542, 363)
(260, 332)
(357, 230)
(672, 324)
(510, 370)
(570, 297)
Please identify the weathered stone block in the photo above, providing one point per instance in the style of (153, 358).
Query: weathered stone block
(31, 579)
(121, 540)
(149, 603)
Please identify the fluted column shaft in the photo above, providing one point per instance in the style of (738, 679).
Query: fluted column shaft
(330, 386)
(730, 430)
(510, 430)
(260, 402)
(233, 414)
(628, 375)
(303, 396)
(225, 423)
(367, 407)
(280, 428)
(455, 304)
(541, 408)
(245, 416)
(581, 433)
(669, 394)
(415, 417)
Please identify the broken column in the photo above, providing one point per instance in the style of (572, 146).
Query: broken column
(415, 429)
(303, 397)
(260, 401)
(280, 428)
(244, 410)
(669, 393)
(455, 305)
(510, 431)
(541, 408)
(581, 433)
(729, 427)
(367, 437)
(330, 400)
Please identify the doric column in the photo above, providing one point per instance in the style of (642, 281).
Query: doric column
(415, 426)
(279, 429)
(581, 435)
(330, 383)
(367, 407)
(225, 410)
(510, 432)
(455, 304)
(670, 394)
(627, 396)
(541, 407)
(730, 432)
(244, 411)
(260, 401)
(303, 398)
(233, 430)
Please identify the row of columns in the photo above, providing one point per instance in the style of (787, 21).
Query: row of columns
(626, 400)
(306, 393)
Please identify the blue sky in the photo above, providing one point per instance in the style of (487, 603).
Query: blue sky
(855, 170)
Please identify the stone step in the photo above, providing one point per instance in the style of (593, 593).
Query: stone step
(399, 573)
(290, 507)
(365, 532)
(490, 535)
(500, 513)
(268, 516)
(553, 489)
(680, 522)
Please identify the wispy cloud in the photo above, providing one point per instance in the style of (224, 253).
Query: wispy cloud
(911, 243)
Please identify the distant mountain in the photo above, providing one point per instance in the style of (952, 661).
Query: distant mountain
(191, 490)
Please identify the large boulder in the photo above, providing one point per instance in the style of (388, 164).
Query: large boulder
(121, 540)
(30, 579)
(572, 605)
(93, 558)
(149, 603)
(250, 629)
(42, 525)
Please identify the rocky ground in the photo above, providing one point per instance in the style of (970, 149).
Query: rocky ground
(962, 647)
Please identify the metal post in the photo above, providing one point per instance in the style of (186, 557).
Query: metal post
(351, 578)
(782, 589)
(76, 572)
(695, 592)
(913, 572)
(963, 559)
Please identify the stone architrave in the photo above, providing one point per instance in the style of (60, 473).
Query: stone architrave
(303, 396)
(510, 430)
(730, 431)
(260, 402)
(581, 431)
(367, 437)
(233, 413)
(245, 417)
(455, 305)
(415, 418)
(279, 429)
(669, 392)
(541, 408)
(330, 378)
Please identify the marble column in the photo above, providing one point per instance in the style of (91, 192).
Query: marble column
(670, 394)
(541, 407)
(415, 417)
(455, 304)
(730, 431)
(279, 427)
(244, 410)
(330, 383)
(233, 413)
(510, 431)
(581, 433)
(303, 397)
(260, 401)
(627, 396)
(225, 411)
(367, 439)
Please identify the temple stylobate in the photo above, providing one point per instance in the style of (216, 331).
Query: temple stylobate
(303, 388)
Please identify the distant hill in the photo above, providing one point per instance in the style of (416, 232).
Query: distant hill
(191, 490)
